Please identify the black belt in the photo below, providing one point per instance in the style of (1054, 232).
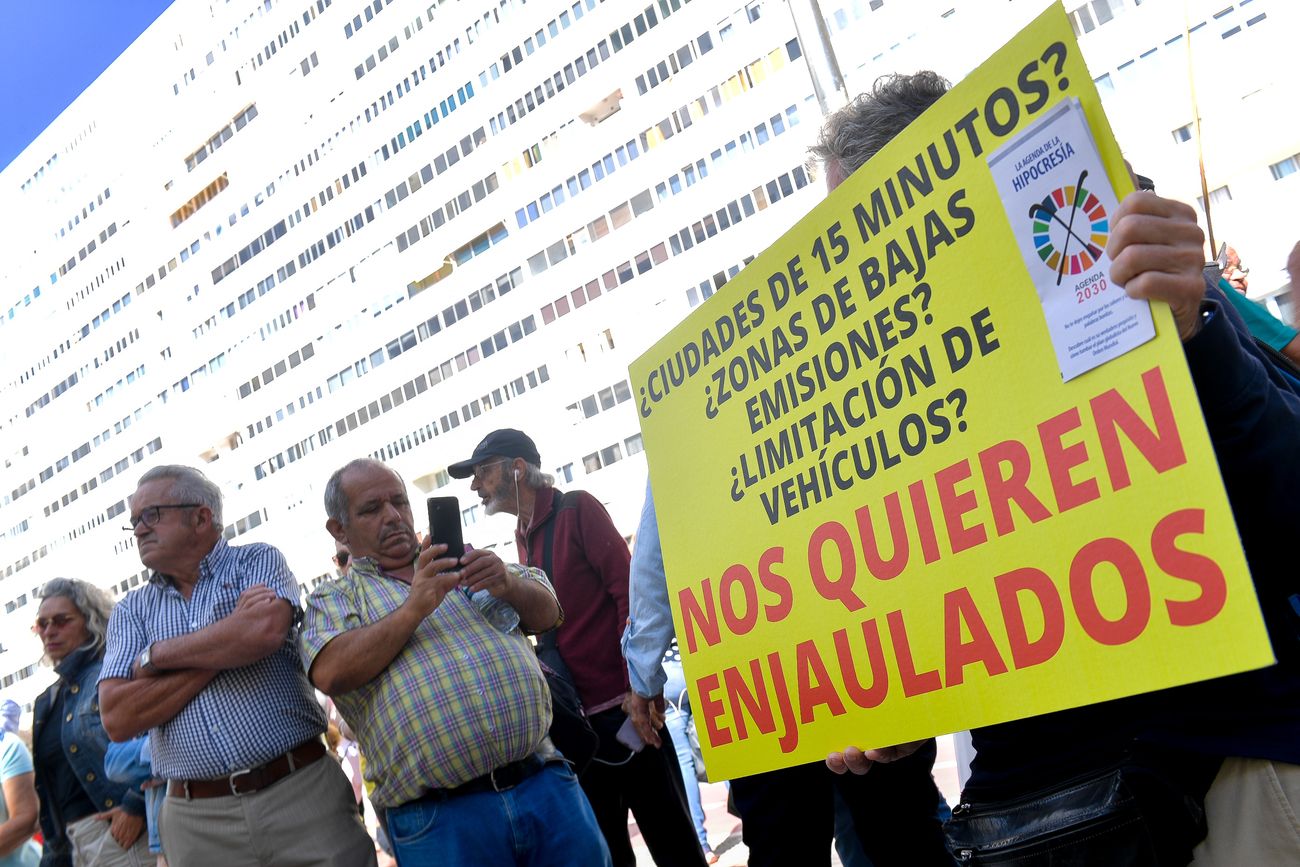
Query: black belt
(502, 779)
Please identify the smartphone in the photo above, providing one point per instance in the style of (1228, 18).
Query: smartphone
(444, 525)
(629, 737)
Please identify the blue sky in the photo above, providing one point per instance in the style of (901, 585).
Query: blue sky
(51, 50)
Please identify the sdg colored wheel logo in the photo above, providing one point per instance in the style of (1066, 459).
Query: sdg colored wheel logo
(1070, 229)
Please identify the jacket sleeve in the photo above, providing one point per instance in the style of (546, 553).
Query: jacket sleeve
(649, 629)
(133, 801)
(123, 764)
(1253, 416)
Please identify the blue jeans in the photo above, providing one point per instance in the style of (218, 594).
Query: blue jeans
(676, 721)
(545, 821)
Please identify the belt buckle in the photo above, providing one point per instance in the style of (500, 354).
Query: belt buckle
(233, 777)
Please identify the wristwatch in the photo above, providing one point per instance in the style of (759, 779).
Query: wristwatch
(146, 659)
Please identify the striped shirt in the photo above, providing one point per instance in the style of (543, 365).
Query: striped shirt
(463, 697)
(244, 716)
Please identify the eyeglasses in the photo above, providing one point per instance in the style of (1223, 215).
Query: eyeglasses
(478, 470)
(151, 515)
(59, 620)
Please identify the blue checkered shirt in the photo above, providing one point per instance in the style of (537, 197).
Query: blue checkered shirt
(245, 716)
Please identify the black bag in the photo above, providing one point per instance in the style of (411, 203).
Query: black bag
(571, 732)
(1123, 816)
(1048, 823)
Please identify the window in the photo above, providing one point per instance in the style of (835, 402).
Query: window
(1281, 169)
(1217, 197)
(1183, 133)
(641, 203)
(1082, 22)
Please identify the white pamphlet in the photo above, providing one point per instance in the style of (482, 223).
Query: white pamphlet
(1059, 202)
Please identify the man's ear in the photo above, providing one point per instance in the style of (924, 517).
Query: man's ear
(335, 529)
(202, 518)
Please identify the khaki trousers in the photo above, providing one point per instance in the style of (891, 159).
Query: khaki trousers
(307, 819)
(1252, 813)
(93, 846)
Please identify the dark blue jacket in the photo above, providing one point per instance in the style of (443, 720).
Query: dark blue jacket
(84, 745)
(1253, 415)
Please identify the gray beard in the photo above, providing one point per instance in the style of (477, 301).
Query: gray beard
(498, 505)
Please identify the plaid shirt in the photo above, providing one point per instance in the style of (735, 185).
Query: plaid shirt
(245, 716)
(463, 697)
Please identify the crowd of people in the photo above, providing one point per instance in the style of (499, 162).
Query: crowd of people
(185, 725)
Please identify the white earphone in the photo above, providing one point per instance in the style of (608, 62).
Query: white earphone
(516, 475)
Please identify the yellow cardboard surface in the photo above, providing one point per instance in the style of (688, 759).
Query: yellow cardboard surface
(884, 515)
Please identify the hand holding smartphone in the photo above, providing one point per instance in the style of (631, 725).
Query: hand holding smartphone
(629, 737)
(444, 525)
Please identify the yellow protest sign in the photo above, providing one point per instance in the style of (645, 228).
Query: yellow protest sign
(919, 468)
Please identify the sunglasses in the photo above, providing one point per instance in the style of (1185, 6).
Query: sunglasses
(59, 620)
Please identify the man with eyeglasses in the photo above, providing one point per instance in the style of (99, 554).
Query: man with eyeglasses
(203, 657)
(571, 536)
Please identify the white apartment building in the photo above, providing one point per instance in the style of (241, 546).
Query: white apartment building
(276, 235)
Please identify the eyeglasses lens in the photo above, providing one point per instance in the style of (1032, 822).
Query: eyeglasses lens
(59, 620)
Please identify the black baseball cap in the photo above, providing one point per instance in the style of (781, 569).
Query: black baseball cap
(504, 443)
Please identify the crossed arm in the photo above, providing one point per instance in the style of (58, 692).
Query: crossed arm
(253, 631)
(184, 665)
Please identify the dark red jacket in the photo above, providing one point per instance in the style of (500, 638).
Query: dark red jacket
(589, 561)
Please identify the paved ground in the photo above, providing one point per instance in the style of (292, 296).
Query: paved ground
(724, 828)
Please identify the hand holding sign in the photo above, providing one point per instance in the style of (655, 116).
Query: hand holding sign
(1157, 254)
(856, 761)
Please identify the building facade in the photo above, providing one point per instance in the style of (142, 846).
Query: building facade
(275, 236)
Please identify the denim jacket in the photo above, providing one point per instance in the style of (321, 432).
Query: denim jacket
(84, 745)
